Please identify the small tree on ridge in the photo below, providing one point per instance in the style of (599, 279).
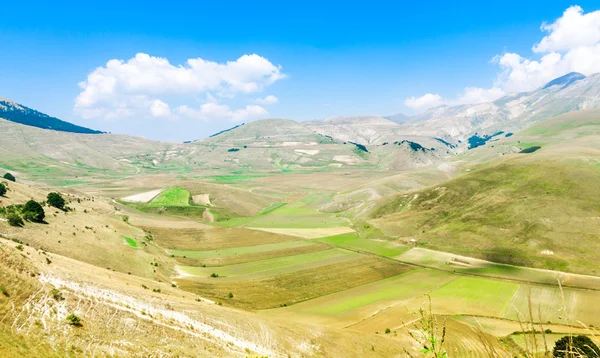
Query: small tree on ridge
(9, 176)
(33, 211)
(56, 200)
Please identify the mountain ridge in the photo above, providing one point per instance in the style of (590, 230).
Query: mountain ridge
(18, 113)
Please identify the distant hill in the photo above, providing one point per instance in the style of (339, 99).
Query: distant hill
(565, 80)
(511, 113)
(399, 118)
(536, 209)
(18, 113)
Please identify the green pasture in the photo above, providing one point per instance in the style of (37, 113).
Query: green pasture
(275, 266)
(233, 251)
(303, 213)
(406, 286)
(481, 294)
(378, 247)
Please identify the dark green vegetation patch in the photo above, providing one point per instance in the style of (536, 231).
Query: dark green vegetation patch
(530, 149)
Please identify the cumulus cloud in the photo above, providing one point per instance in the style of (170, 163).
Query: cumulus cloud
(214, 110)
(470, 95)
(125, 88)
(159, 108)
(270, 99)
(571, 44)
(428, 100)
(574, 29)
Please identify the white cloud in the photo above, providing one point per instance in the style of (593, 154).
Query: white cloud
(125, 88)
(471, 95)
(159, 108)
(426, 101)
(574, 29)
(214, 110)
(270, 99)
(572, 44)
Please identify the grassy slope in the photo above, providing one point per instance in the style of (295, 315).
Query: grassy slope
(537, 209)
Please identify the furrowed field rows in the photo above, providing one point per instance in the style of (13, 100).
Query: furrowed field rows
(215, 238)
(250, 257)
(348, 307)
(289, 288)
(233, 251)
(303, 213)
(272, 267)
(378, 247)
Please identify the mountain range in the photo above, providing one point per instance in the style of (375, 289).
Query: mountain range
(396, 142)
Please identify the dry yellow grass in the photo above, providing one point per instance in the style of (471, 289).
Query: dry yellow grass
(214, 239)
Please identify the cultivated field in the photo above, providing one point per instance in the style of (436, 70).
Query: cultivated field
(269, 250)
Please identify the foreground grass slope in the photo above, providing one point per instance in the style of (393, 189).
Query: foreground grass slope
(540, 210)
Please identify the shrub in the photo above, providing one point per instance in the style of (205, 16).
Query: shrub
(9, 176)
(530, 149)
(73, 320)
(2, 189)
(214, 275)
(56, 294)
(388, 331)
(580, 346)
(230, 295)
(14, 220)
(33, 211)
(56, 200)
(3, 291)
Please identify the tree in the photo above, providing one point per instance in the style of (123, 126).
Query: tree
(9, 176)
(14, 220)
(56, 200)
(33, 211)
(580, 346)
(2, 189)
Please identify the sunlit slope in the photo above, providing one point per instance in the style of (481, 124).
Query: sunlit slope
(43, 154)
(284, 145)
(540, 209)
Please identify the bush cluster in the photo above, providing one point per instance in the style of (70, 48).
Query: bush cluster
(56, 200)
(9, 176)
(16, 214)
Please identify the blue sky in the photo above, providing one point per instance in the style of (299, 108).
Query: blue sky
(322, 60)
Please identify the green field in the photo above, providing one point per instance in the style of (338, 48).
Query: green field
(131, 242)
(276, 266)
(303, 213)
(233, 251)
(353, 241)
(406, 286)
(175, 196)
(474, 295)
